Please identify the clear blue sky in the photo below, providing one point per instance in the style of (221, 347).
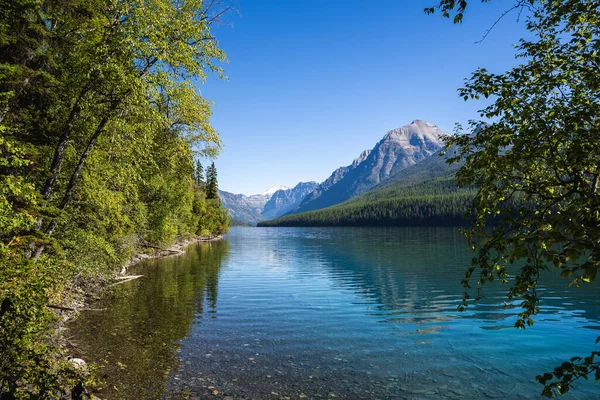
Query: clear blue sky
(313, 83)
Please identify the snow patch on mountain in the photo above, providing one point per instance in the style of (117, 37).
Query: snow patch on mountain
(271, 191)
(271, 203)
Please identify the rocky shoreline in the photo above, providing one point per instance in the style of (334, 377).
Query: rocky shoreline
(83, 291)
(80, 293)
(178, 248)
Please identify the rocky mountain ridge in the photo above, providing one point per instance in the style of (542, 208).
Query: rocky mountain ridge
(272, 203)
(397, 150)
(333, 179)
(283, 201)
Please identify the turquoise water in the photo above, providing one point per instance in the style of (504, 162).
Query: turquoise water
(357, 313)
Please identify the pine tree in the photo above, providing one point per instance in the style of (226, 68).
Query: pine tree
(208, 178)
(212, 186)
(199, 175)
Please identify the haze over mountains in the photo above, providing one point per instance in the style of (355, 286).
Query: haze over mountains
(399, 149)
(272, 203)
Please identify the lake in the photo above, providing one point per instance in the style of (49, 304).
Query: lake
(355, 313)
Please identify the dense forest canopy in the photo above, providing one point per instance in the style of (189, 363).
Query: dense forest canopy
(425, 194)
(100, 125)
(436, 202)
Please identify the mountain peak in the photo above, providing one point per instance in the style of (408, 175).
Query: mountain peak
(400, 148)
(271, 191)
(305, 184)
(417, 133)
(421, 122)
(272, 203)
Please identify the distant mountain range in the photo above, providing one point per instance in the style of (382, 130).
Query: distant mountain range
(272, 203)
(283, 201)
(422, 194)
(391, 163)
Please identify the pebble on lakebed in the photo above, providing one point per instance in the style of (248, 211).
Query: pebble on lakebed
(78, 363)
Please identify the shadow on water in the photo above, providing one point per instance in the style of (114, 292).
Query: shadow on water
(136, 340)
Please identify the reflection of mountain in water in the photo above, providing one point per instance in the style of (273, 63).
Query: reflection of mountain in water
(411, 274)
(414, 276)
(136, 338)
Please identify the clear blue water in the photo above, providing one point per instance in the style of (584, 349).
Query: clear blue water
(356, 313)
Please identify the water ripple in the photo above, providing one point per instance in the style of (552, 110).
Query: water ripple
(358, 313)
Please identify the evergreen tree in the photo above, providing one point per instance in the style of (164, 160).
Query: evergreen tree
(212, 187)
(208, 179)
(199, 175)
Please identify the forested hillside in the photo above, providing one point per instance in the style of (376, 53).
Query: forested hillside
(100, 125)
(398, 149)
(424, 194)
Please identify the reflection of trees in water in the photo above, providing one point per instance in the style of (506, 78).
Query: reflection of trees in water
(415, 274)
(402, 269)
(136, 339)
(210, 256)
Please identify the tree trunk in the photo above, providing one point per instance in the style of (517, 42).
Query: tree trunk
(59, 155)
(73, 181)
(59, 152)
